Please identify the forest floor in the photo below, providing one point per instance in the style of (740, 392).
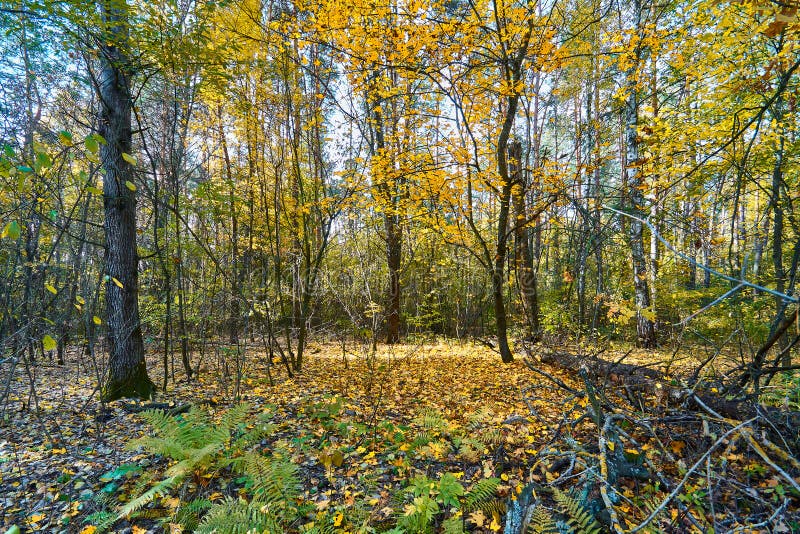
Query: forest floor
(348, 420)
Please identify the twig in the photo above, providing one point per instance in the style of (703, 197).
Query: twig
(692, 261)
(685, 478)
(769, 520)
(716, 301)
(552, 378)
(612, 512)
(764, 456)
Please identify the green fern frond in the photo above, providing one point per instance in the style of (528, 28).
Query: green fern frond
(194, 458)
(577, 516)
(321, 528)
(237, 516)
(102, 520)
(542, 522)
(188, 515)
(162, 488)
(482, 493)
(275, 481)
(431, 421)
(453, 525)
(175, 435)
(234, 417)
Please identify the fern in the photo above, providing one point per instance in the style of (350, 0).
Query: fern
(237, 516)
(453, 525)
(102, 520)
(493, 437)
(274, 481)
(481, 495)
(188, 515)
(470, 449)
(431, 421)
(480, 416)
(162, 488)
(577, 516)
(541, 522)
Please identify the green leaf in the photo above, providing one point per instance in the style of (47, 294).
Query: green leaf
(24, 168)
(93, 190)
(91, 144)
(11, 230)
(450, 489)
(120, 472)
(43, 161)
(13, 530)
(48, 343)
(130, 159)
(65, 137)
(130, 185)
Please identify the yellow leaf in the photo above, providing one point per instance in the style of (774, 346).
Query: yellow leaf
(88, 529)
(51, 289)
(477, 518)
(130, 159)
(96, 320)
(130, 185)
(117, 282)
(610, 445)
(495, 525)
(35, 518)
(48, 343)
(337, 519)
(138, 530)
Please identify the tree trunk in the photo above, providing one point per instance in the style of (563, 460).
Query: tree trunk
(501, 250)
(645, 327)
(526, 277)
(127, 375)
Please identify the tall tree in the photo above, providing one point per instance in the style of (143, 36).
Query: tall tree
(127, 371)
(634, 180)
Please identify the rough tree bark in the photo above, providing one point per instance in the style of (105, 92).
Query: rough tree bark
(392, 226)
(526, 277)
(127, 374)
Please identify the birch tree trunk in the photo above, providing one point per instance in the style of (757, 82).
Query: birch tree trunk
(645, 327)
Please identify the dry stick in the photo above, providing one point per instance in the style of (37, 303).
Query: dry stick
(767, 521)
(659, 475)
(555, 380)
(764, 456)
(755, 446)
(692, 261)
(685, 478)
(612, 512)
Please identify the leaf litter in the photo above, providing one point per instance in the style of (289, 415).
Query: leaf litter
(349, 418)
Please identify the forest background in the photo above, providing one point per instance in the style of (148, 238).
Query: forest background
(188, 186)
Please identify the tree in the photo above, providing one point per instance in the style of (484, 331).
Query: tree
(634, 181)
(127, 374)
